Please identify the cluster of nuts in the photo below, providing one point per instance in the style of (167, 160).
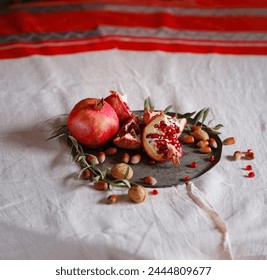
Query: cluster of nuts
(201, 138)
(249, 154)
(136, 193)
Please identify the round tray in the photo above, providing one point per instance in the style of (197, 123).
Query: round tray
(166, 174)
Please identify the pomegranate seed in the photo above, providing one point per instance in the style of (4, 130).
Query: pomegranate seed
(155, 192)
(251, 174)
(212, 158)
(249, 151)
(248, 167)
(186, 178)
(151, 162)
(193, 164)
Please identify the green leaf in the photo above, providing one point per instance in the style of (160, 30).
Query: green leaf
(199, 116)
(74, 142)
(205, 114)
(126, 173)
(186, 115)
(167, 109)
(217, 127)
(148, 104)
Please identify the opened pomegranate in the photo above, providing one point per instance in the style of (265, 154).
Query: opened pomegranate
(93, 122)
(160, 138)
(149, 114)
(128, 136)
(121, 108)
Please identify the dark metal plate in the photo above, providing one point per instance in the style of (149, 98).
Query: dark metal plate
(165, 173)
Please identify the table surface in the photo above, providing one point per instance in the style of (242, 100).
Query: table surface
(190, 57)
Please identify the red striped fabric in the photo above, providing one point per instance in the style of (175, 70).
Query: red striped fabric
(62, 27)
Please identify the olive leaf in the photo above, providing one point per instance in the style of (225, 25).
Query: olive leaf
(186, 115)
(199, 116)
(148, 104)
(217, 127)
(167, 109)
(205, 114)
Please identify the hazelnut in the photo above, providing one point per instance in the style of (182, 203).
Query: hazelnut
(137, 193)
(120, 170)
(149, 180)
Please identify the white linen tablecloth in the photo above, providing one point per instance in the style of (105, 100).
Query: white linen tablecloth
(46, 213)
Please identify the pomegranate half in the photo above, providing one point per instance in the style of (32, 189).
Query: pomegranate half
(93, 122)
(160, 138)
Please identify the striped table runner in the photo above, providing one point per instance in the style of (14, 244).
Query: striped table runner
(204, 26)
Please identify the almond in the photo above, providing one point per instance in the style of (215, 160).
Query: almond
(195, 127)
(229, 141)
(213, 143)
(135, 159)
(205, 150)
(188, 139)
(237, 155)
(111, 151)
(202, 143)
(200, 135)
(150, 180)
(101, 157)
(249, 156)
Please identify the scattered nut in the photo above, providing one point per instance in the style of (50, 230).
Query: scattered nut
(195, 127)
(229, 141)
(101, 157)
(86, 174)
(111, 151)
(200, 134)
(137, 193)
(91, 159)
(237, 155)
(112, 199)
(202, 143)
(101, 185)
(205, 150)
(135, 159)
(188, 139)
(125, 158)
(249, 156)
(150, 180)
(213, 143)
(120, 170)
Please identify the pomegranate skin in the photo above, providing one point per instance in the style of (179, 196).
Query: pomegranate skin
(121, 108)
(93, 122)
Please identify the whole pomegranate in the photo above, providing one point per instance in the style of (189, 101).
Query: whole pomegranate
(93, 122)
(121, 108)
(160, 138)
(129, 135)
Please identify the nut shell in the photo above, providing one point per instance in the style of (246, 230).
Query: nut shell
(200, 134)
(119, 170)
(137, 193)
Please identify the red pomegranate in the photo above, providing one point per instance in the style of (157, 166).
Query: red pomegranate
(129, 134)
(149, 114)
(121, 108)
(93, 122)
(160, 138)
